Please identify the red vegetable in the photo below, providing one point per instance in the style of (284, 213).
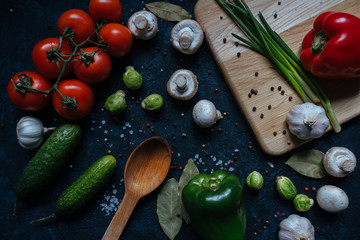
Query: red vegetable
(331, 49)
(110, 10)
(44, 57)
(118, 38)
(26, 99)
(78, 21)
(92, 65)
(78, 102)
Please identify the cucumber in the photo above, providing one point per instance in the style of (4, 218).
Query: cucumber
(84, 188)
(48, 161)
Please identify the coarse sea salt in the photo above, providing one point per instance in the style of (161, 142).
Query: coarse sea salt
(110, 202)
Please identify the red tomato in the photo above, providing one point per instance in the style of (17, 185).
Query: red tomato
(109, 10)
(79, 21)
(73, 89)
(118, 37)
(98, 67)
(29, 101)
(44, 58)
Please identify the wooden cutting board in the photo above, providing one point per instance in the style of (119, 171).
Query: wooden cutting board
(267, 110)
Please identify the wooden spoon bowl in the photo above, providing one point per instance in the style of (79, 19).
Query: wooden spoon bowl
(145, 170)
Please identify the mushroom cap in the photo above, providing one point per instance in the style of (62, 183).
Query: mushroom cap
(143, 25)
(182, 85)
(339, 161)
(192, 33)
(205, 113)
(332, 199)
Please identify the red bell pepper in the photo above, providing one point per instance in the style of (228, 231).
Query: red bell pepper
(332, 48)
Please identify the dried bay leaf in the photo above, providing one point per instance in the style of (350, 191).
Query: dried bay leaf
(168, 11)
(168, 208)
(308, 163)
(189, 172)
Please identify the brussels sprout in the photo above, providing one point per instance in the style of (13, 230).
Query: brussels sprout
(116, 103)
(132, 79)
(255, 180)
(303, 203)
(153, 102)
(285, 187)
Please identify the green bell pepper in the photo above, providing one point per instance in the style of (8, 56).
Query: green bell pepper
(215, 206)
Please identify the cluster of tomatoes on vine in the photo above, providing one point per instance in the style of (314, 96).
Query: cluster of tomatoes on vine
(86, 43)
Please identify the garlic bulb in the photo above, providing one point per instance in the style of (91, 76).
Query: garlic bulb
(30, 132)
(205, 113)
(296, 227)
(307, 121)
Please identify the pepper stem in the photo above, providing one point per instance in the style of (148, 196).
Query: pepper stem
(319, 42)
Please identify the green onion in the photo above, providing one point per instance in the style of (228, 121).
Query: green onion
(268, 43)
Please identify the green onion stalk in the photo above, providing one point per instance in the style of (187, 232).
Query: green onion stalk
(268, 43)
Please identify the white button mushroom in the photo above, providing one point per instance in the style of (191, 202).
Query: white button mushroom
(339, 161)
(205, 113)
(182, 84)
(332, 199)
(143, 25)
(187, 36)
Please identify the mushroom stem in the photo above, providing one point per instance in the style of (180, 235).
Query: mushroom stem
(348, 166)
(141, 23)
(181, 83)
(185, 39)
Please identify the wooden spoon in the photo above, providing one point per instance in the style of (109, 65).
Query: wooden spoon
(145, 170)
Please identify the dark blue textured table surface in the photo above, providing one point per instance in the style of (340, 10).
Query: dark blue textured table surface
(24, 23)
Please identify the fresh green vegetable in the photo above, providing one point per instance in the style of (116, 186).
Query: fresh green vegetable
(303, 203)
(285, 187)
(85, 187)
(48, 161)
(115, 104)
(153, 102)
(255, 180)
(132, 79)
(215, 206)
(268, 43)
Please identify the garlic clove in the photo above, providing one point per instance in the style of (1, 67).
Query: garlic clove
(30, 132)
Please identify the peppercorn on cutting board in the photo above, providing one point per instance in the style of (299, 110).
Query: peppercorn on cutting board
(252, 73)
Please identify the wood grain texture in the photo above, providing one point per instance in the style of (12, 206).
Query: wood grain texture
(293, 20)
(145, 169)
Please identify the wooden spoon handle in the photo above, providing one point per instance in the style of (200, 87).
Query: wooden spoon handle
(120, 218)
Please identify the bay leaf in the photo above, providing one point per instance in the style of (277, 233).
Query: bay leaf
(189, 172)
(168, 208)
(168, 11)
(308, 163)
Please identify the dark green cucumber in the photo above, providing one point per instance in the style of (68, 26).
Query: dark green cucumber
(48, 161)
(84, 188)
